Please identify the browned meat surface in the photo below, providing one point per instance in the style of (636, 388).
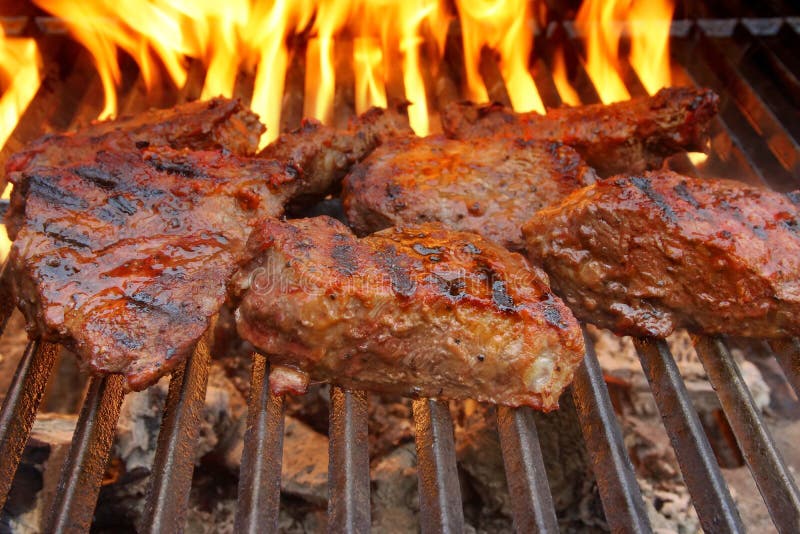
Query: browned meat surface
(326, 154)
(124, 258)
(490, 186)
(645, 254)
(624, 137)
(416, 311)
(219, 123)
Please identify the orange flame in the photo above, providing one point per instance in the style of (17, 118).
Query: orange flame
(602, 23)
(560, 77)
(501, 25)
(649, 27)
(20, 66)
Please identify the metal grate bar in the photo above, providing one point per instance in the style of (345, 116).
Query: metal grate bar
(439, 490)
(619, 490)
(787, 352)
(171, 476)
(531, 500)
(20, 407)
(700, 469)
(73, 506)
(260, 472)
(6, 301)
(774, 481)
(348, 469)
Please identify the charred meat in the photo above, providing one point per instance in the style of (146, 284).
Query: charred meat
(420, 310)
(124, 258)
(645, 254)
(490, 186)
(325, 154)
(627, 136)
(219, 123)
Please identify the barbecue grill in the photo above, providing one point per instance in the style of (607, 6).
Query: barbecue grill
(751, 62)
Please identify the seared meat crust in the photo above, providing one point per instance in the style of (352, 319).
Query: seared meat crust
(627, 136)
(126, 257)
(219, 123)
(489, 186)
(326, 154)
(417, 311)
(645, 254)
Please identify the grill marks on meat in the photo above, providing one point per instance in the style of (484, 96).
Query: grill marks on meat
(645, 254)
(490, 186)
(326, 154)
(126, 257)
(219, 123)
(421, 311)
(629, 136)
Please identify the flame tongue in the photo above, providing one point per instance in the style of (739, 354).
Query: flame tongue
(647, 21)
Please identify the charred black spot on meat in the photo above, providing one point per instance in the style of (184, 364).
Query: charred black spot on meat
(419, 248)
(122, 204)
(646, 186)
(126, 340)
(793, 225)
(794, 196)
(345, 259)
(96, 175)
(471, 249)
(67, 236)
(141, 145)
(452, 288)
(187, 170)
(683, 192)
(44, 188)
(736, 213)
(402, 284)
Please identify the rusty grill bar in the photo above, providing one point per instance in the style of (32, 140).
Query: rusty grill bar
(754, 139)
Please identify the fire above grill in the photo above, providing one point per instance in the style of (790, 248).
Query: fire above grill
(749, 61)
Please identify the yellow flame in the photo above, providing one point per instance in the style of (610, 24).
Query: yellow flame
(320, 72)
(370, 78)
(412, 14)
(697, 158)
(20, 65)
(560, 77)
(502, 25)
(601, 22)
(649, 22)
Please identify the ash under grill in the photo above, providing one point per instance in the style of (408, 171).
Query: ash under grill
(751, 63)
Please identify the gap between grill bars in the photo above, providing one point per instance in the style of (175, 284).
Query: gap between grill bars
(753, 138)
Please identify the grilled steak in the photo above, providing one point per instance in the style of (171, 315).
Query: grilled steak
(645, 254)
(325, 154)
(219, 123)
(624, 137)
(125, 257)
(490, 186)
(421, 311)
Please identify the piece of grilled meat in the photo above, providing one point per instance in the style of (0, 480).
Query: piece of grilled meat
(490, 186)
(126, 257)
(325, 154)
(627, 136)
(219, 123)
(421, 310)
(645, 254)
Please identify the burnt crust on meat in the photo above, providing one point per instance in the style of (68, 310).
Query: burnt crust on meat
(489, 186)
(219, 123)
(648, 253)
(419, 310)
(327, 154)
(125, 258)
(624, 137)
